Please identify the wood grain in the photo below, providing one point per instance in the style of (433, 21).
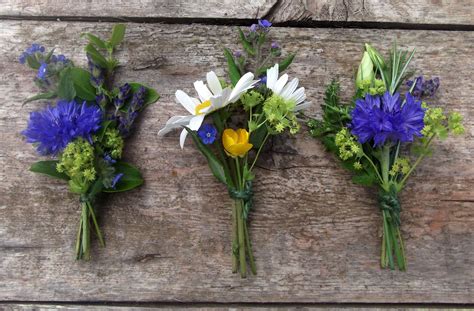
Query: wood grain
(315, 233)
(456, 12)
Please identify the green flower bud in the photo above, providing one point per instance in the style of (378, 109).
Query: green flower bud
(366, 69)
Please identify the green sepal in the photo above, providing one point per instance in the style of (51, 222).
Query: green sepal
(234, 72)
(66, 88)
(49, 55)
(96, 56)
(48, 168)
(47, 95)
(246, 44)
(81, 80)
(214, 164)
(131, 179)
(33, 62)
(118, 33)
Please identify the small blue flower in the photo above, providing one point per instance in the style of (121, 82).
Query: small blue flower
(253, 28)
(55, 127)
(42, 71)
(34, 48)
(207, 133)
(238, 53)
(424, 88)
(264, 23)
(109, 159)
(116, 179)
(383, 118)
(275, 45)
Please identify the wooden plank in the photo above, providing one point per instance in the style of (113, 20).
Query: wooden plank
(213, 307)
(456, 12)
(314, 231)
(239, 9)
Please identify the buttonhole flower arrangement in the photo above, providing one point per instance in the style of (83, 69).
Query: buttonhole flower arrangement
(230, 123)
(384, 133)
(82, 132)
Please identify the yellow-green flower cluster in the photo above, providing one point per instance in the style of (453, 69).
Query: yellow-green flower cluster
(279, 114)
(77, 161)
(113, 142)
(348, 145)
(251, 99)
(455, 123)
(373, 87)
(401, 165)
(434, 118)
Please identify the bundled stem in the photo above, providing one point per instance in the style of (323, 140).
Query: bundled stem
(83, 240)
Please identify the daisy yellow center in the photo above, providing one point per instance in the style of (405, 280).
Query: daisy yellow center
(202, 106)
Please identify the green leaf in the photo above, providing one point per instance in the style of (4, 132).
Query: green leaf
(47, 95)
(117, 35)
(96, 56)
(98, 42)
(151, 95)
(234, 72)
(257, 137)
(286, 62)
(49, 55)
(364, 179)
(81, 79)
(66, 85)
(48, 168)
(214, 164)
(132, 178)
(245, 43)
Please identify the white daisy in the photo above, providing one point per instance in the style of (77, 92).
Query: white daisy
(287, 91)
(211, 98)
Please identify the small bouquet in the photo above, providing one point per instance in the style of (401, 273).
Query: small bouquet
(84, 130)
(372, 134)
(230, 123)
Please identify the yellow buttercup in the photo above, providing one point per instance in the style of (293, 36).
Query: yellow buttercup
(236, 143)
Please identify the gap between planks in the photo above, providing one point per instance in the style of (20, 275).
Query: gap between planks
(244, 22)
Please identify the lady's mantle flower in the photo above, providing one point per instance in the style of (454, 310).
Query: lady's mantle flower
(383, 118)
(55, 127)
(348, 146)
(77, 161)
(207, 133)
(236, 143)
(211, 98)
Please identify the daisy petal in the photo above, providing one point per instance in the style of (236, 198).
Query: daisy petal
(202, 90)
(214, 83)
(220, 101)
(302, 106)
(182, 138)
(187, 102)
(173, 123)
(246, 82)
(195, 123)
(289, 88)
(280, 84)
(298, 96)
(272, 76)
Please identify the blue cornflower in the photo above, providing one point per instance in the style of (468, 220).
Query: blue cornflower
(42, 71)
(30, 51)
(55, 127)
(423, 88)
(384, 118)
(264, 23)
(207, 133)
(116, 179)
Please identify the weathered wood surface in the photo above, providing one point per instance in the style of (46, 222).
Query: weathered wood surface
(315, 233)
(210, 307)
(456, 12)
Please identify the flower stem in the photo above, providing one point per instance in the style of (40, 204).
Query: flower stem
(253, 267)
(240, 231)
(78, 241)
(259, 150)
(235, 239)
(86, 241)
(97, 229)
